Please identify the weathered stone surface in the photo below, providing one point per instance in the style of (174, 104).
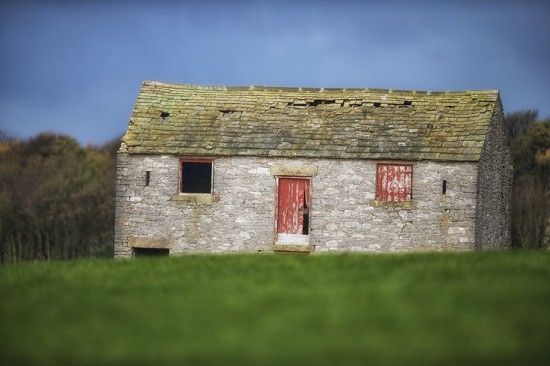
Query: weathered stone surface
(308, 123)
(494, 196)
(406, 204)
(199, 198)
(140, 242)
(306, 249)
(341, 217)
(294, 170)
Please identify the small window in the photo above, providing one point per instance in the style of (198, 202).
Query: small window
(150, 252)
(196, 176)
(394, 182)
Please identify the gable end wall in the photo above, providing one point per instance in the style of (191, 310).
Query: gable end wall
(494, 197)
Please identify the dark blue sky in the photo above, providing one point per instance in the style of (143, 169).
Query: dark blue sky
(76, 67)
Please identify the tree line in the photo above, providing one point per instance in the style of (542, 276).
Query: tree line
(530, 143)
(57, 198)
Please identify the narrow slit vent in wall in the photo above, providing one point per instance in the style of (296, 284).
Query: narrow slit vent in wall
(147, 178)
(444, 187)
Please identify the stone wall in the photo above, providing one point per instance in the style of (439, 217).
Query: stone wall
(344, 215)
(345, 219)
(494, 210)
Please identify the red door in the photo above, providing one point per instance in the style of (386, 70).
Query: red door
(293, 204)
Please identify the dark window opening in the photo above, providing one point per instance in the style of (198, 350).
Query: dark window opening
(164, 114)
(147, 178)
(196, 177)
(407, 102)
(444, 187)
(377, 105)
(151, 252)
(305, 227)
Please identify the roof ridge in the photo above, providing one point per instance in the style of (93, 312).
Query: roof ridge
(317, 90)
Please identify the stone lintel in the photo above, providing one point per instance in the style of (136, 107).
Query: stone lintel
(196, 198)
(404, 204)
(294, 170)
(305, 249)
(160, 243)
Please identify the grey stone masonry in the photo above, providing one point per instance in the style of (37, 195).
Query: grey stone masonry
(494, 199)
(344, 214)
(326, 144)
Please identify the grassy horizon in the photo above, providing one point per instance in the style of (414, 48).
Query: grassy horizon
(250, 309)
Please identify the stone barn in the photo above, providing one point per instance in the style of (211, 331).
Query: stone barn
(279, 169)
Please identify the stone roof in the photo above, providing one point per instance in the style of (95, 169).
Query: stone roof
(190, 120)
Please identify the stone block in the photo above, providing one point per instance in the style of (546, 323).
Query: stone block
(294, 170)
(159, 243)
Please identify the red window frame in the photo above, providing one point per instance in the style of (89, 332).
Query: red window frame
(180, 168)
(394, 182)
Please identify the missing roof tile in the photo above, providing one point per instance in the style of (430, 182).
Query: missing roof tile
(226, 113)
(408, 102)
(164, 114)
(313, 103)
(317, 102)
(377, 105)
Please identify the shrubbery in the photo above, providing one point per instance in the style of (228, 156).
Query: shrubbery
(530, 143)
(56, 198)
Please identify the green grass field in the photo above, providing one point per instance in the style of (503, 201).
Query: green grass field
(395, 309)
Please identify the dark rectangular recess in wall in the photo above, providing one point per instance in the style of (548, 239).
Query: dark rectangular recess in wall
(196, 176)
(408, 102)
(444, 187)
(151, 252)
(147, 178)
(305, 228)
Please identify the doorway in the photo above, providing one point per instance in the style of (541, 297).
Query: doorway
(293, 210)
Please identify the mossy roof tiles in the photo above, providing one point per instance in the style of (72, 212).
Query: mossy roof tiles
(191, 120)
